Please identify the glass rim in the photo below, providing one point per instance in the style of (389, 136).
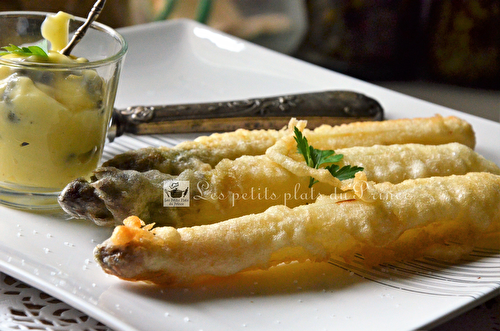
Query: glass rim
(78, 65)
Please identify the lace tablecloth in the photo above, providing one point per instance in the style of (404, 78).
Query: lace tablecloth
(23, 307)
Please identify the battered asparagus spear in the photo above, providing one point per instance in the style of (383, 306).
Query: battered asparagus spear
(131, 183)
(231, 145)
(438, 215)
(251, 184)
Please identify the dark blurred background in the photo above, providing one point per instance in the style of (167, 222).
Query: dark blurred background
(449, 41)
(444, 51)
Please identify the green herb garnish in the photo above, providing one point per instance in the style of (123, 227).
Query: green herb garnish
(316, 157)
(40, 50)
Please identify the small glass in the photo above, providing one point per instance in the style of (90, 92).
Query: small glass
(54, 117)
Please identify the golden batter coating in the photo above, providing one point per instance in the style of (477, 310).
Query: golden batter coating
(392, 163)
(437, 215)
(251, 184)
(210, 150)
(232, 164)
(427, 131)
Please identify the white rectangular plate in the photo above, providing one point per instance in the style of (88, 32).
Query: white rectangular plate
(184, 62)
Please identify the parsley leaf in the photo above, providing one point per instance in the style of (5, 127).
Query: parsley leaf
(316, 158)
(25, 51)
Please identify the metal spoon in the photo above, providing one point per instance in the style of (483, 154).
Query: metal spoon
(93, 14)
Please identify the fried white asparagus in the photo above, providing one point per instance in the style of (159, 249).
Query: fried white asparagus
(203, 152)
(130, 183)
(251, 184)
(438, 215)
(392, 163)
(210, 150)
(427, 131)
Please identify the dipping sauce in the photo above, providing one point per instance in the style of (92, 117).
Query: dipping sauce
(52, 118)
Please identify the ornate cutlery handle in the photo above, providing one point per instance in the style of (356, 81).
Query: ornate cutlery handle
(328, 107)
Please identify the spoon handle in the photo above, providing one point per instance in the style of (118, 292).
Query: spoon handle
(93, 14)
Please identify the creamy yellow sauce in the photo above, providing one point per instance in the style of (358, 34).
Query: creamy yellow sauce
(55, 30)
(52, 124)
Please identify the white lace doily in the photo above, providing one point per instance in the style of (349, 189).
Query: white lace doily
(23, 307)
